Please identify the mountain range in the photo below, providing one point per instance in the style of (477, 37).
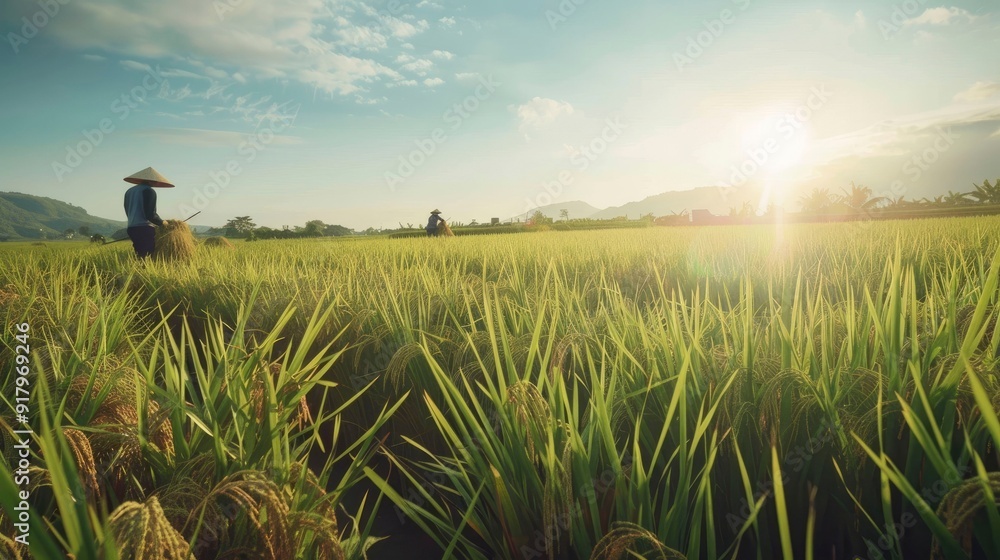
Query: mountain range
(34, 217)
(716, 200)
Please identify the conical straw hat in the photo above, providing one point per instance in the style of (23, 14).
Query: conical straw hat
(151, 176)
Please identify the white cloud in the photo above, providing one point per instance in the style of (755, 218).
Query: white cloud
(433, 82)
(137, 66)
(443, 55)
(419, 66)
(364, 38)
(447, 21)
(860, 20)
(361, 100)
(429, 4)
(94, 57)
(288, 40)
(896, 137)
(467, 76)
(209, 138)
(175, 95)
(404, 29)
(541, 112)
(941, 16)
(979, 91)
(176, 73)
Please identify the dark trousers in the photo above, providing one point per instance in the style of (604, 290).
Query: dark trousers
(433, 232)
(143, 240)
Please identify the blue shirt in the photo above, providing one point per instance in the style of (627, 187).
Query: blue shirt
(140, 206)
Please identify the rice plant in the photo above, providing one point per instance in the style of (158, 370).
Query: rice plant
(825, 390)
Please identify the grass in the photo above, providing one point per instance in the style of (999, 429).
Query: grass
(728, 392)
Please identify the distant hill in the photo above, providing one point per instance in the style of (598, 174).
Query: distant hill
(713, 199)
(577, 210)
(29, 216)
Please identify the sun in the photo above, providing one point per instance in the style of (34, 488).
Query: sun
(777, 142)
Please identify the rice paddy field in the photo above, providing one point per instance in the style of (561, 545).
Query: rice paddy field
(807, 391)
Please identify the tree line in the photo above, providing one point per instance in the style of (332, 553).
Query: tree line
(861, 199)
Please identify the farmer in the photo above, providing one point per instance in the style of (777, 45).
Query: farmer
(140, 207)
(434, 223)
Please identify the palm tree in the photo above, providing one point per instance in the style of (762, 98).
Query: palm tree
(745, 211)
(860, 199)
(986, 193)
(897, 203)
(956, 198)
(817, 201)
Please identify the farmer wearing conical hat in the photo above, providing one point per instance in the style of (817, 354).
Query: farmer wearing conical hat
(434, 223)
(140, 207)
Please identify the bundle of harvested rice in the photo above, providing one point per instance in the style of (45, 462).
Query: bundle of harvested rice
(446, 230)
(174, 241)
(218, 242)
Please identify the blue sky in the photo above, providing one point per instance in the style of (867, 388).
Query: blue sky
(372, 113)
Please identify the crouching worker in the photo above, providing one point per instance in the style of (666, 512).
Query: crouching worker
(140, 207)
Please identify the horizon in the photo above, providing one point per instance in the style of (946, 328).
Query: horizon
(376, 112)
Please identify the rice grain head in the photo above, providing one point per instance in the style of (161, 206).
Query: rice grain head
(83, 455)
(626, 541)
(140, 531)
(959, 507)
(531, 412)
(174, 242)
(9, 548)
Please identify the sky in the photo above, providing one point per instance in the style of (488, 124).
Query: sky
(372, 113)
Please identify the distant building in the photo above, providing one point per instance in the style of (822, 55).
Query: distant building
(494, 221)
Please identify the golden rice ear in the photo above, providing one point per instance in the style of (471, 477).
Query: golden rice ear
(626, 541)
(86, 466)
(959, 507)
(140, 531)
(531, 412)
(263, 513)
(9, 548)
